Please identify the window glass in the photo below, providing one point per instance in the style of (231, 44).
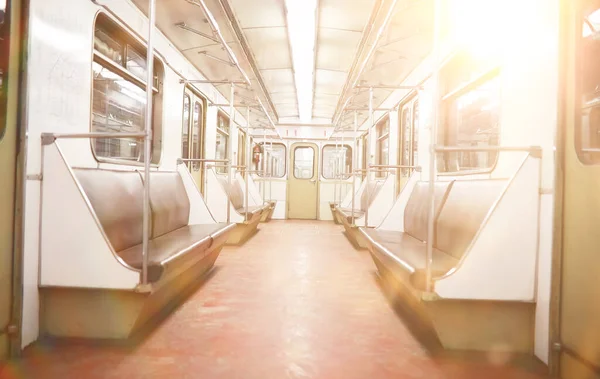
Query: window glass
(119, 94)
(472, 118)
(365, 154)
(409, 123)
(185, 150)
(4, 59)
(304, 162)
(118, 106)
(222, 148)
(587, 139)
(197, 133)
(383, 143)
(336, 160)
(267, 157)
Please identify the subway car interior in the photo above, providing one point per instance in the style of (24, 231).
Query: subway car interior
(300, 189)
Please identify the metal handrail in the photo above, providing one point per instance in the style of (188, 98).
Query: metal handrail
(533, 151)
(48, 138)
(450, 149)
(204, 167)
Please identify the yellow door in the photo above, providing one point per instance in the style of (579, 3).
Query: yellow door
(303, 183)
(576, 312)
(192, 134)
(9, 81)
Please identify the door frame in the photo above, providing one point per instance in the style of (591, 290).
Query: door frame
(195, 96)
(290, 173)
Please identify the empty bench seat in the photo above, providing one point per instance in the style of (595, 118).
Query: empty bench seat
(366, 199)
(117, 199)
(115, 304)
(236, 197)
(460, 209)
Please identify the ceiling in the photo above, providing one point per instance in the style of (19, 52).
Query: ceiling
(256, 32)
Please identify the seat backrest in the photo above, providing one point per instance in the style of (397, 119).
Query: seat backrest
(169, 202)
(235, 192)
(463, 212)
(369, 194)
(416, 213)
(117, 199)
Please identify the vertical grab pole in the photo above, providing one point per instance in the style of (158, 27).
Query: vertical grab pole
(247, 160)
(148, 140)
(368, 160)
(343, 169)
(354, 161)
(230, 149)
(335, 170)
(433, 136)
(271, 173)
(264, 162)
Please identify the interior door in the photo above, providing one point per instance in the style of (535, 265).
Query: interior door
(9, 81)
(192, 134)
(303, 183)
(578, 340)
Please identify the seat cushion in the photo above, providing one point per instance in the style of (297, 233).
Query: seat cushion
(252, 209)
(117, 200)
(406, 256)
(463, 213)
(169, 203)
(416, 213)
(178, 246)
(347, 213)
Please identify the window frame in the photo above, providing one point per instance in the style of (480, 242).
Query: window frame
(348, 147)
(262, 144)
(129, 41)
(6, 48)
(226, 133)
(412, 101)
(587, 156)
(380, 138)
(312, 148)
(481, 77)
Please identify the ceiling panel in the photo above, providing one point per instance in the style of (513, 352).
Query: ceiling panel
(259, 13)
(344, 14)
(270, 47)
(337, 48)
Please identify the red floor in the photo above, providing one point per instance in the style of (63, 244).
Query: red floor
(296, 301)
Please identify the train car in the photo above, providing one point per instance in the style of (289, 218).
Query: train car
(299, 188)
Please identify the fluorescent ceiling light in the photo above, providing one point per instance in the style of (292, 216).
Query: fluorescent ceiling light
(301, 20)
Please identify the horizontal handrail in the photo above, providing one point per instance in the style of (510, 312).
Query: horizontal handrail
(238, 166)
(181, 160)
(48, 138)
(524, 149)
(417, 168)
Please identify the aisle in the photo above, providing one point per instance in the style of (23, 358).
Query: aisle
(296, 301)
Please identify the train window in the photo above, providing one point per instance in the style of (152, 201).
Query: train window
(241, 158)
(185, 128)
(4, 59)
(119, 96)
(471, 115)
(222, 144)
(409, 135)
(336, 157)
(270, 159)
(365, 154)
(587, 139)
(383, 142)
(304, 162)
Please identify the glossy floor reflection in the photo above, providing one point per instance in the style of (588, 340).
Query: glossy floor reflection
(296, 301)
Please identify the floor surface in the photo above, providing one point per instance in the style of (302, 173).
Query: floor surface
(296, 301)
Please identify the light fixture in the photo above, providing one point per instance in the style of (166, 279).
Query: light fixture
(301, 20)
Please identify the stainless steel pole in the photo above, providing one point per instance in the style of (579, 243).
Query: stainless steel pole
(271, 174)
(433, 136)
(230, 149)
(354, 161)
(246, 158)
(148, 140)
(368, 149)
(343, 169)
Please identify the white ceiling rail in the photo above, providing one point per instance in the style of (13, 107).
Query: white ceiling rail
(217, 32)
(363, 65)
